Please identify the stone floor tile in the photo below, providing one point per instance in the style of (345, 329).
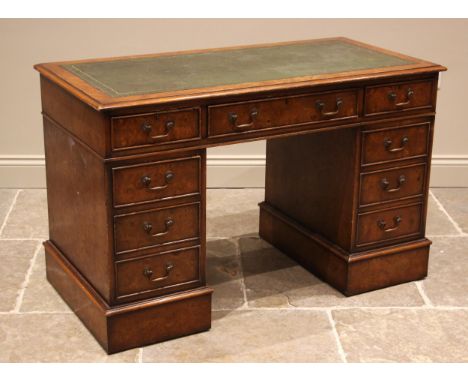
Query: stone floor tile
(39, 294)
(274, 280)
(28, 219)
(51, 338)
(224, 274)
(455, 202)
(15, 259)
(397, 335)
(254, 336)
(6, 199)
(233, 212)
(447, 281)
(437, 222)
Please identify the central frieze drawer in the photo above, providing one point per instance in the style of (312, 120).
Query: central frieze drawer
(241, 117)
(174, 270)
(153, 228)
(150, 182)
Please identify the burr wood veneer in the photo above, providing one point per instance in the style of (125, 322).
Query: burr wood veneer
(349, 132)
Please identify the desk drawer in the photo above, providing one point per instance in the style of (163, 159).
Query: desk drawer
(281, 112)
(397, 97)
(174, 270)
(392, 184)
(395, 143)
(136, 131)
(390, 224)
(156, 227)
(156, 181)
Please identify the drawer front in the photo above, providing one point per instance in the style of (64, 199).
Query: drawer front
(397, 97)
(175, 270)
(395, 143)
(156, 227)
(151, 182)
(136, 131)
(396, 183)
(280, 112)
(384, 225)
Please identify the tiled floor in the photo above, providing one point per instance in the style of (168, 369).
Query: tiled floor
(266, 307)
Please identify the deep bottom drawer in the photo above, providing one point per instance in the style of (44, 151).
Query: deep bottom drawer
(390, 224)
(173, 270)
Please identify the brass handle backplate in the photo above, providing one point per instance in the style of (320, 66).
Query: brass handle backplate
(146, 181)
(148, 227)
(392, 96)
(233, 120)
(388, 145)
(383, 224)
(148, 273)
(320, 105)
(148, 128)
(386, 184)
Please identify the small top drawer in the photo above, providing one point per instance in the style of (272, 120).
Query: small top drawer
(395, 143)
(244, 117)
(396, 97)
(136, 131)
(151, 182)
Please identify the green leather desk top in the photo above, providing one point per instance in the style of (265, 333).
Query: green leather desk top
(135, 76)
(172, 77)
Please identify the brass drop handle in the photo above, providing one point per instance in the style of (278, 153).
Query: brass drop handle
(320, 105)
(147, 128)
(388, 145)
(409, 95)
(148, 273)
(233, 120)
(383, 225)
(386, 184)
(146, 181)
(148, 228)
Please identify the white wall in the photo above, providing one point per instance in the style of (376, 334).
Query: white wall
(26, 42)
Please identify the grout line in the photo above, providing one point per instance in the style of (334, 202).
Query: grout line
(13, 202)
(41, 239)
(325, 308)
(439, 236)
(422, 292)
(241, 273)
(24, 285)
(442, 208)
(341, 351)
(443, 308)
(139, 357)
(33, 312)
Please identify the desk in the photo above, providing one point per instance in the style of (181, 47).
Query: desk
(349, 132)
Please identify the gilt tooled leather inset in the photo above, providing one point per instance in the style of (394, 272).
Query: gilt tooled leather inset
(145, 75)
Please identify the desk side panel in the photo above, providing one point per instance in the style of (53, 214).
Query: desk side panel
(78, 206)
(85, 123)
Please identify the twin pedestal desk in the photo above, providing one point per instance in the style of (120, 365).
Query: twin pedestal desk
(349, 132)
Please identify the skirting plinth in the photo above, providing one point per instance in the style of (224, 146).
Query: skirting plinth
(131, 325)
(350, 273)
